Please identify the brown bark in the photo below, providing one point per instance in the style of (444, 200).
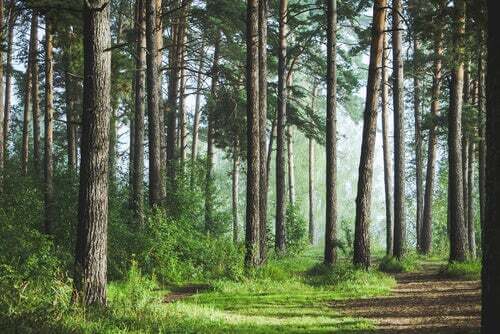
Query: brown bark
(71, 117)
(197, 107)
(11, 21)
(458, 239)
(399, 132)
(471, 230)
(311, 191)
(139, 111)
(387, 152)
(291, 165)
(235, 192)
(49, 124)
(26, 107)
(426, 241)
(281, 124)
(91, 243)
(490, 321)
(331, 136)
(1, 101)
(182, 106)
(35, 97)
(418, 142)
(482, 133)
(363, 200)
(253, 137)
(153, 100)
(263, 178)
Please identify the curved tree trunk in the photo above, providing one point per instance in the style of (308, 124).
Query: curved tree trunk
(363, 199)
(426, 241)
(280, 136)
(331, 135)
(399, 132)
(253, 137)
(387, 152)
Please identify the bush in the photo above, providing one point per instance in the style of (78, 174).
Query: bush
(296, 230)
(390, 264)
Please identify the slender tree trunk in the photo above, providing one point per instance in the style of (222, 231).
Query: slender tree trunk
(418, 142)
(470, 197)
(235, 180)
(8, 77)
(291, 165)
(153, 100)
(35, 97)
(91, 248)
(387, 152)
(253, 137)
(270, 148)
(1, 101)
(139, 111)
(263, 188)
(210, 142)
(27, 102)
(311, 191)
(482, 133)
(281, 124)
(49, 124)
(331, 135)
(197, 106)
(363, 200)
(490, 321)
(399, 132)
(426, 241)
(465, 153)
(458, 239)
(182, 106)
(161, 103)
(70, 112)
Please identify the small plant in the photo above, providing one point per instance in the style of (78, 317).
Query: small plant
(470, 270)
(390, 264)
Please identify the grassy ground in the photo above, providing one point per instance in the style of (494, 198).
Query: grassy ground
(286, 296)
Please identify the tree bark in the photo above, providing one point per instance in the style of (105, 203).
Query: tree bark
(182, 106)
(263, 178)
(35, 96)
(482, 133)
(426, 241)
(27, 102)
(235, 188)
(387, 152)
(91, 243)
(458, 239)
(153, 101)
(49, 124)
(1, 102)
(418, 141)
(253, 137)
(71, 127)
(470, 197)
(291, 165)
(331, 135)
(490, 321)
(399, 132)
(197, 106)
(8, 77)
(281, 124)
(311, 191)
(363, 200)
(139, 111)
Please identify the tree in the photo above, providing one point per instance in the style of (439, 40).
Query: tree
(49, 125)
(490, 322)
(1, 102)
(399, 141)
(139, 111)
(387, 152)
(458, 239)
(11, 21)
(27, 100)
(197, 107)
(153, 101)
(235, 187)
(91, 239)
(363, 199)
(426, 231)
(253, 138)
(331, 136)
(35, 98)
(280, 136)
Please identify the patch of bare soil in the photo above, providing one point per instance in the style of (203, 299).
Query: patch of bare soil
(422, 302)
(182, 292)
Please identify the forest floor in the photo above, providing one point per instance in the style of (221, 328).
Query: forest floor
(422, 302)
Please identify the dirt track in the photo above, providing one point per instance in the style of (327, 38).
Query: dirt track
(422, 302)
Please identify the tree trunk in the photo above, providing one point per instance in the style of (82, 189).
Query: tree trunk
(426, 241)
(363, 200)
(399, 132)
(8, 77)
(235, 188)
(91, 248)
(272, 135)
(139, 111)
(49, 124)
(331, 136)
(418, 142)
(280, 136)
(210, 141)
(153, 100)
(253, 137)
(291, 165)
(387, 152)
(458, 237)
(311, 191)
(35, 97)
(1, 102)
(490, 321)
(465, 153)
(482, 133)
(182, 106)
(263, 178)
(27, 101)
(197, 107)
(470, 197)
(70, 112)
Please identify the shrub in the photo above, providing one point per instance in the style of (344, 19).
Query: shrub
(390, 264)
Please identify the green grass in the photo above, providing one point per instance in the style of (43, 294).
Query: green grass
(289, 295)
(470, 270)
(411, 262)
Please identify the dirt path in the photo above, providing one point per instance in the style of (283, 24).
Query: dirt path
(422, 302)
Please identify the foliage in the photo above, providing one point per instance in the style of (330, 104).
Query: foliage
(390, 264)
(470, 270)
(296, 230)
